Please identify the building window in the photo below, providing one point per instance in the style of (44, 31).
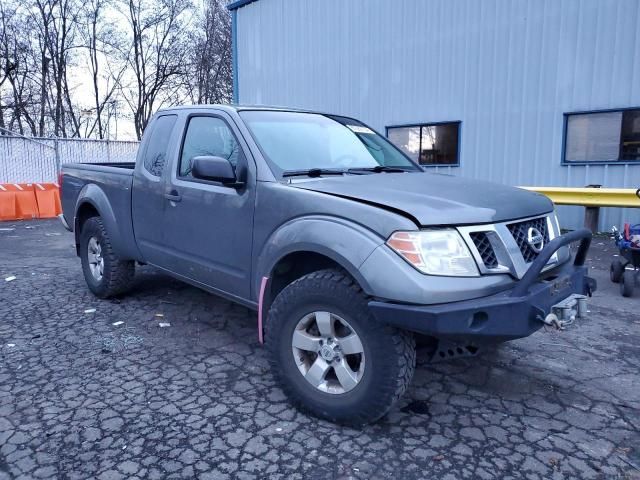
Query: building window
(428, 144)
(602, 137)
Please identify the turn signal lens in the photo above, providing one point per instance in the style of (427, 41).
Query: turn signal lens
(435, 252)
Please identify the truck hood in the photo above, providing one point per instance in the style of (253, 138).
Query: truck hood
(435, 199)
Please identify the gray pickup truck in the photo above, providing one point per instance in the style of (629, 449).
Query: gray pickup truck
(346, 248)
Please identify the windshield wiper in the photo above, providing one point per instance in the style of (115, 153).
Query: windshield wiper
(378, 169)
(312, 172)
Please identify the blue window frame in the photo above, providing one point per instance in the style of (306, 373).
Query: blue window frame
(429, 144)
(609, 137)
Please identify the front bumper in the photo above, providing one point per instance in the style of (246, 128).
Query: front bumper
(514, 313)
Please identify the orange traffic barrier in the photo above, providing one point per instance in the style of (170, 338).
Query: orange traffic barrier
(25, 203)
(7, 204)
(48, 199)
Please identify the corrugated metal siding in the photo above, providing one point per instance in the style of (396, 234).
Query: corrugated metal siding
(508, 69)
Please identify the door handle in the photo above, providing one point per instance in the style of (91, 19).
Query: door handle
(173, 196)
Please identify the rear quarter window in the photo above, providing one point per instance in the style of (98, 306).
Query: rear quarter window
(156, 154)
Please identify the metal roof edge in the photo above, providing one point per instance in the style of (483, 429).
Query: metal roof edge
(239, 3)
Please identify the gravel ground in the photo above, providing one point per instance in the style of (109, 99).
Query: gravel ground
(84, 396)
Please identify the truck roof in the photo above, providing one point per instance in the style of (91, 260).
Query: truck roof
(237, 108)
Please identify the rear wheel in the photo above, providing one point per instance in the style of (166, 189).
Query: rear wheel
(105, 273)
(616, 271)
(330, 356)
(627, 283)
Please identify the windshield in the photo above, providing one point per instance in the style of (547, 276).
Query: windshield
(293, 141)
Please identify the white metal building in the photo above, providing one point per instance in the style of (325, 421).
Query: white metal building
(524, 92)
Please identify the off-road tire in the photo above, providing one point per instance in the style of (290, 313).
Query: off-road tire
(627, 283)
(616, 270)
(117, 274)
(390, 353)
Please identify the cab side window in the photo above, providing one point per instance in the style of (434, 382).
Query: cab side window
(208, 136)
(156, 154)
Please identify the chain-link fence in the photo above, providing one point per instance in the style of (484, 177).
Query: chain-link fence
(29, 159)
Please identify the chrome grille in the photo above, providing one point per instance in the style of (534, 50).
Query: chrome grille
(503, 248)
(485, 249)
(519, 231)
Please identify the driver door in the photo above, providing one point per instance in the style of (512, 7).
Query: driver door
(209, 225)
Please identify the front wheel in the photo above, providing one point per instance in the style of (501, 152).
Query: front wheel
(330, 356)
(105, 273)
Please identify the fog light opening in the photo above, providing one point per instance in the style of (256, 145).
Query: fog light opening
(472, 349)
(478, 321)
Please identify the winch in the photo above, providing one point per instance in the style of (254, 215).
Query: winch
(565, 312)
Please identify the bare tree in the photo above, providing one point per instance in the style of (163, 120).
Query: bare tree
(156, 56)
(17, 92)
(210, 77)
(143, 54)
(102, 43)
(56, 25)
(94, 16)
(7, 65)
(59, 20)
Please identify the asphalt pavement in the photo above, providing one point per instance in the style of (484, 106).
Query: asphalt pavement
(95, 388)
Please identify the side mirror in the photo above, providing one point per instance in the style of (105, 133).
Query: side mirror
(213, 168)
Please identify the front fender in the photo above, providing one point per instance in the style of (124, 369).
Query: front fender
(346, 243)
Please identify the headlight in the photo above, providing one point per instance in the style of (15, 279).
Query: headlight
(435, 252)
